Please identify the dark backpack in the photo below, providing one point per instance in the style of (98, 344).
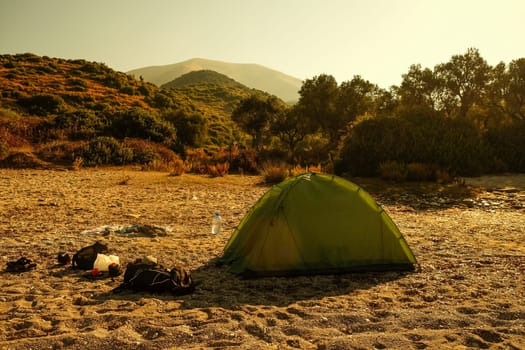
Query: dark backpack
(151, 277)
(85, 257)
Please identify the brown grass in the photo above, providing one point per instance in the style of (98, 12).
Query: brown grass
(468, 292)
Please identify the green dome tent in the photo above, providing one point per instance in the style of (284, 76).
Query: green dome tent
(316, 223)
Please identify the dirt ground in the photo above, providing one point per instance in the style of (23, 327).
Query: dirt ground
(469, 290)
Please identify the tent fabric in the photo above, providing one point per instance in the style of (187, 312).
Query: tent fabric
(316, 223)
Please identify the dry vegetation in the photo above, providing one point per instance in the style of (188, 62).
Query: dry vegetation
(468, 292)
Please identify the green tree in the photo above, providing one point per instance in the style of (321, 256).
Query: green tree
(355, 98)
(463, 82)
(387, 101)
(290, 128)
(254, 115)
(318, 99)
(418, 88)
(515, 98)
(192, 127)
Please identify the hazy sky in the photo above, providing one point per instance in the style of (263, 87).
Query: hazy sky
(377, 39)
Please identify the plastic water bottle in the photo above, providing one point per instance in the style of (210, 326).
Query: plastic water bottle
(216, 224)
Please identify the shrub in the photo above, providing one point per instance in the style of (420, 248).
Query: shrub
(77, 83)
(298, 169)
(161, 99)
(174, 167)
(77, 163)
(393, 170)
(104, 151)
(197, 160)
(443, 176)
(192, 128)
(60, 152)
(218, 169)
(127, 89)
(460, 149)
(146, 152)
(452, 144)
(312, 149)
(42, 104)
(142, 124)
(177, 168)
(243, 160)
(507, 147)
(22, 160)
(421, 172)
(372, 142)
(80, 124)
(274, 173)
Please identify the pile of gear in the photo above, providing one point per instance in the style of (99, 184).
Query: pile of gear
(143, 274)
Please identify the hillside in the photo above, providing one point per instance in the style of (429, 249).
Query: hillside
(74, 83)
(213, 93)
(204, 76)
(73, 102)
(252, 75)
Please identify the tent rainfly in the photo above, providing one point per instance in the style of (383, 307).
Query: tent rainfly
(312, 224)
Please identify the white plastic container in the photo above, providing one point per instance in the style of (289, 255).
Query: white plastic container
(216, 224)
(103, 261)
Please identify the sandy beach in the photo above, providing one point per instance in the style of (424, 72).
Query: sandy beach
(468, 292)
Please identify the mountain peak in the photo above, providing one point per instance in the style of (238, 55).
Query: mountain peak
(254, 76)
(204, 76)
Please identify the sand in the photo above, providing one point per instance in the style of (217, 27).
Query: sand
(469, 291)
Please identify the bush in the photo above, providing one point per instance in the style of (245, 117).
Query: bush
(192, 128)
(453, 145)
(421, 172)
(372, 142)
(197, 160)
(146, 152)
(200, 162)
(461, 150)
(218, 169)
(177, 168)
(274, 173)
(243, 160)
(42, 104)
(142, 124)
(59, 152)
(80, 124)
(127, 89)
(392, 170)
(312, 150)
(297, 169)
(77, 84)
(104, 151)
(174, 167)
(507, 147)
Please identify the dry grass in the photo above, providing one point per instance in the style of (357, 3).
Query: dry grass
(468, 293)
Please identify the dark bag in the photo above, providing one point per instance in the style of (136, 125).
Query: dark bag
(21, 265)
(85, 257)
(150, 277)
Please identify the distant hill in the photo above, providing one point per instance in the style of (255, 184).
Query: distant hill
(252, 75)
(205, 76)
(212, 93)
